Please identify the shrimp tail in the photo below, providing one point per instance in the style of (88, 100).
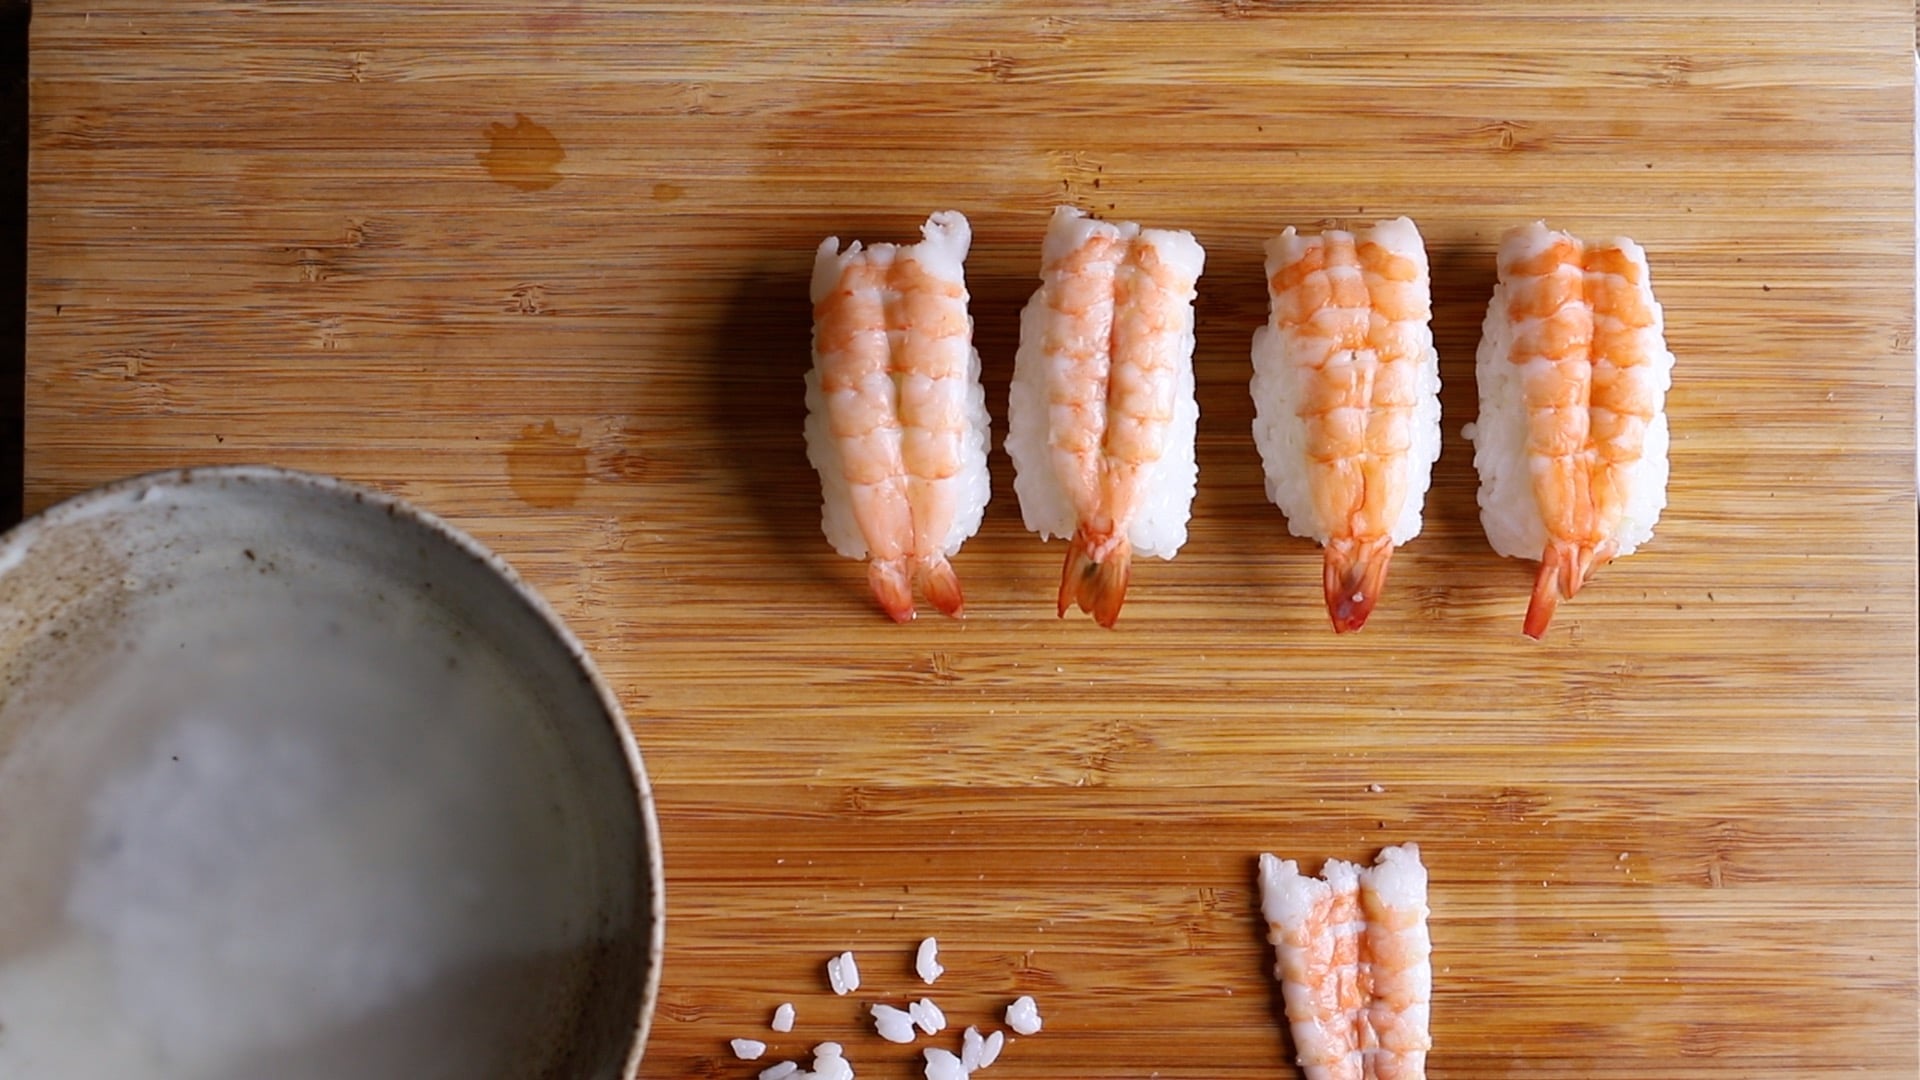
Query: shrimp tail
(942, 585)
(1096, 581)
(1564, 568)
(892, 585)
(1355, 575)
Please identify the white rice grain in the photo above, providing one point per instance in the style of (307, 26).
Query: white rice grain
(990, 1051)
(843, 974)
(748, 1049)
(893, 1025)
(928, 1016)
(781, 1071)
(942, 1065)
(927, 961)
(828, 1064)
(1023, 1015)
(971, 1047)
(783, 1017)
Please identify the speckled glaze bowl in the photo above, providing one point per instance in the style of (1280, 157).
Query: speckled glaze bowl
(299, 781)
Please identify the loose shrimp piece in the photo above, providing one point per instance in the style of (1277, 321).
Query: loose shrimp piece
(897, 420)
(1353, 958)
(1393, 899)
(1346, 391)
(1316, 931)
(1102, 414)
(1574, 370)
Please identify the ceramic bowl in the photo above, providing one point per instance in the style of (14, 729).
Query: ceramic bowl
(299, 781)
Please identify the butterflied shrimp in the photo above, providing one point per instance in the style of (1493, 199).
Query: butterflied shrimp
(1346, 392)
(1571, 440)
(896, 418)
(1355, 964)
(1102, 414)
(1316, 931)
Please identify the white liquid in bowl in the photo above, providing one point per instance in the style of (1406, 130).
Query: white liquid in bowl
(301, 809)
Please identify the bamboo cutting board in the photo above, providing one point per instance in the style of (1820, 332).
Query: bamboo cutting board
(543, 269)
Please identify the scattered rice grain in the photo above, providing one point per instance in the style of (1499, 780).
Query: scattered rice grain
(893, 1025)
(927, 961)
(748, 1049)
(828, 1064)
(928, 1016)
(843, 974)
(780, 1071)
(942, 1065)
(783, 1017)
(1023, 1015)
(990, 1052)
(971, 1047)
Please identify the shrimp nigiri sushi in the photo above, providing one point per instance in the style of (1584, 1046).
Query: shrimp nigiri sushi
(1101, 416)
(1571, 440)
(896, 417)
(1346, 395)
(1355, 964)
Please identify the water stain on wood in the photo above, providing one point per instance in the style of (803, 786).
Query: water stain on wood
(547, 467)
(525, 155)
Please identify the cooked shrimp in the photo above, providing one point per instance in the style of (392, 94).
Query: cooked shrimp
(1316, 930)
(1353, 958)
(1575, 335)
(1102, 415)
(897, 423)
(1393, 899)
(1346, 395)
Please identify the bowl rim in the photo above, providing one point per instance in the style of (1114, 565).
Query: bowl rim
(15, 543)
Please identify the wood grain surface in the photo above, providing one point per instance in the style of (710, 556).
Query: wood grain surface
(543, 269)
